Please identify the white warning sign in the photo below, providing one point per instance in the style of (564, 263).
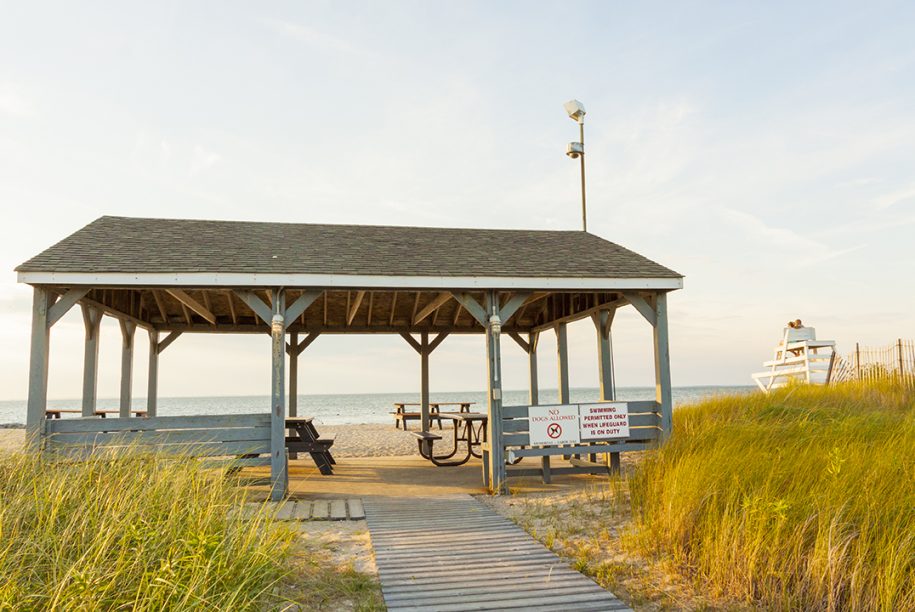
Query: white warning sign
(604, 421)
(553, 425)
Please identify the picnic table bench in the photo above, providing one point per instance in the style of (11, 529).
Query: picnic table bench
(304, 438)
(469, 428)
(402, 416)
(55, 413)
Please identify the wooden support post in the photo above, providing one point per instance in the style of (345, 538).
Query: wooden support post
(494, 461)
(603, 321)
(127, 333)
(38, 367)
(662, 365)
(425, 421)
(562, 354)
(532, 339)
(278, 462)
(293, 373)
(92, 319)
(293, 379)
(152, 384)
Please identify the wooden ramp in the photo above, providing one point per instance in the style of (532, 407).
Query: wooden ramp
(454, 553)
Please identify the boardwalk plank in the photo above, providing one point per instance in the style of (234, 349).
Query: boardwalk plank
(461, 555)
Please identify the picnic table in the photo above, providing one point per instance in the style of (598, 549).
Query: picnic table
(55, 413)
(304, 438)
(469, 428)
(401, 415)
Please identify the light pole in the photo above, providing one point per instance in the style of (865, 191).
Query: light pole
(576, 150)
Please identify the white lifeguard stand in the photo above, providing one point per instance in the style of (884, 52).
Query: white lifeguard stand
(799, 357)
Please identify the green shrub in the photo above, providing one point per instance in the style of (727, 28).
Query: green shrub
(802, 499)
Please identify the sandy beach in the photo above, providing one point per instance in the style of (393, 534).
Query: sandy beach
(352, 440)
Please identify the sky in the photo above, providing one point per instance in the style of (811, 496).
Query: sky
(764, 150)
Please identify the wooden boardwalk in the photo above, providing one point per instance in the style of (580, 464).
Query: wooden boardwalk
(310, 510)
(454, 553)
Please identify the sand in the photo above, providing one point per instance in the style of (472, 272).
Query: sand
(352, 440)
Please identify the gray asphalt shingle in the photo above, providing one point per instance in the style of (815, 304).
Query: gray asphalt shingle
(138, 245)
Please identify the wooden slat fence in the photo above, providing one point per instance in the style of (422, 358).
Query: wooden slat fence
(197, 436)
(892, 362)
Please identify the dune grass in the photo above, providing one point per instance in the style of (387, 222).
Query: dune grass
(802, 499)
(134, 533)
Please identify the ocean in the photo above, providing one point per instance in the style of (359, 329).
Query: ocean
(360, 408)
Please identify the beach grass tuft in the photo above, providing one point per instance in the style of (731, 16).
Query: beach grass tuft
(141, 533)
(802, 499)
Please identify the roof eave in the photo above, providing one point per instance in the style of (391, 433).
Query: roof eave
(223, 279)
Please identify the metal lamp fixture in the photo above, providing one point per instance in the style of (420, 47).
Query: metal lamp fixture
(576, 150)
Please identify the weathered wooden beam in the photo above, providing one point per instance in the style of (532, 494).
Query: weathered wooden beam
(550, 323)
(294, 310)
(473, 307)
(415, 306)
(412, 342)
(512, 305)
(230, 300)
(354, 307)
(562, 356)
(187, 314)
(127, 336)
(256, 304)
(534, 397)
(193, 304)
(525, 346)
(432, 306)
(438, 340)
(644, 308)
(341, 328)
(65, 303)
(393, 308)
(293, 348)
(293, 400)
(494, 475)
(160, 305)
(38, 367)
(457, 313)
(278, 461)
(92, 319)
(152, 380)
(424, 417)
(164, 344)
(117, 314)
(368, 318)
(662, 365)
(602, 322)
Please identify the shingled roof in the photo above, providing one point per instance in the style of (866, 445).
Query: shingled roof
(139, 245)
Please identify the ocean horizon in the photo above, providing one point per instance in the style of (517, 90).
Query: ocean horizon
(357, 408)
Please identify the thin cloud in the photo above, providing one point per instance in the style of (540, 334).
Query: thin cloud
(893, 198)
(310, 36)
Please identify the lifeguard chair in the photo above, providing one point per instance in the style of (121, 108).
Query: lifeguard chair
(799, 357)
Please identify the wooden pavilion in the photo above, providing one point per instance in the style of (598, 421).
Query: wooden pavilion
(295, 282)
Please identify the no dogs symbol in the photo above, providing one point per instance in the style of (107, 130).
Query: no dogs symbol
(554, 430)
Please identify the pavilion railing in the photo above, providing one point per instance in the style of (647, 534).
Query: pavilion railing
(235, 436)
